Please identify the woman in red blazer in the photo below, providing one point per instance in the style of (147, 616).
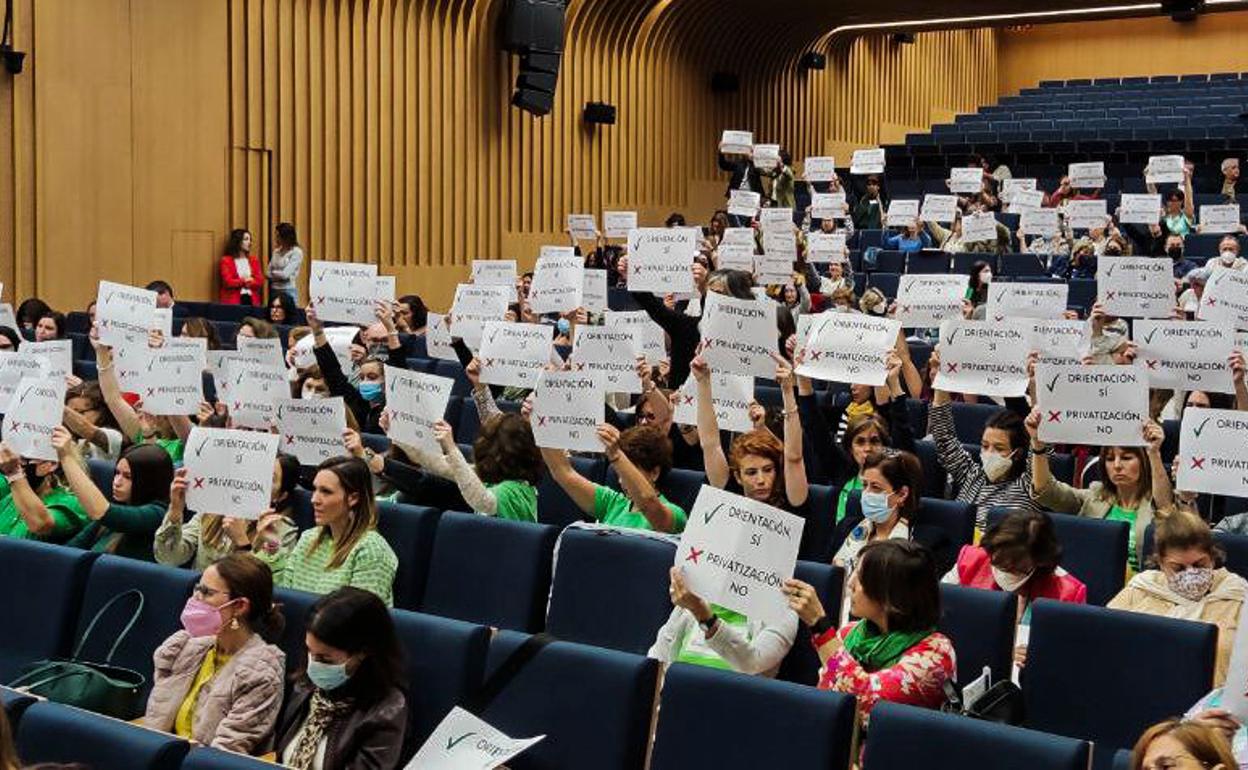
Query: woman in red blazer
(241, 276)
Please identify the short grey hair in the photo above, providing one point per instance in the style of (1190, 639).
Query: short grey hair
(1229, 163)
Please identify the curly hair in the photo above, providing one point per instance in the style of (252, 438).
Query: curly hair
(506, 451)
(648, 448)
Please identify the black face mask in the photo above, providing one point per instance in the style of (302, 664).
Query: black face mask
(1175, 252)
(32, 475)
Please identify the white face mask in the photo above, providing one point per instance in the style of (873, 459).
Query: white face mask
(996, 467)
(1009, 581)
(311, 394)
(1228, 257)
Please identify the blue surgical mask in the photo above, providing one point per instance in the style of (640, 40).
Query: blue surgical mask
(371, 391)
(875, 507)
(327, 676)
(563, 326)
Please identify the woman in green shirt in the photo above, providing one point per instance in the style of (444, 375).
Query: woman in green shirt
(34, 504)
(344, 548)
(141, 481)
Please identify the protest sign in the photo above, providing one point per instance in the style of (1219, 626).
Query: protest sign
(776, 220)
(338, 337)
(736, 552)
(939, 208)
(1026, 300)
(59, 354)
(902, 213)
(1235, 692)
(828, 205)
(987, 358)
(230, 472)
(1087, 176)
(849, 347)
(1093, 405)
(311, 428)
(414, 402)
(616, 224)
(1135, 287)
(826, 247)
(384, 288)
(966, 180)
(582, 227)
(819, 169)
(252, 391)
(35, 409)
(17, 365)
(123, 313)
(1185, 355)
(1013, 186)
(494, 272)
(514, 353)
(1061, 341)
(567, 408)
(130, 360)
(737, 143)
(739, 335)
(1219, 219)
(735, 256)
(1086, 215)
(594, 290)
(773, 269)
(7, 316)
(743, 203)
(1225, 300)
(344, 291)
(438, 341)
(267, 350)
(923, 301)
(463, 741)
(660, 259)
(474, 306)
(731, 395)
(174, 381)
(979, 227)
(867, 161)
(1164, 169)
(1139, 209)
(766, 156)
(650, 336)
(780, 243)
(1211, 452)
(558, 284)
(609, 355)
(1041, 222)
(1026, 200)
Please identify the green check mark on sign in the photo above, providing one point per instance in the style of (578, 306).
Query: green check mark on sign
(1198, 431)
(453, 742)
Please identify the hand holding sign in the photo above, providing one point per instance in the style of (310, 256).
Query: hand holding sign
(988, 358)
(1094, 405)
(660, 258)
(230, 470)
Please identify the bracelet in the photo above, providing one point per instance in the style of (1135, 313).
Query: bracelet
(13, 478)
(821, 626)
(103, 368)
(790, 412)
(1047, 449)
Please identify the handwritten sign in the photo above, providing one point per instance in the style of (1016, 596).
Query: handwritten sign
(650, 336)
(582, 227)
(1026, 300)
(558, 284)
(123, 313)
(731, 395)
(616, 224)
(737, 143)
(1041, 222)
(1089, 176)
(776, 220)
(826, 247)
(463, 741)
(1220, 219)
(494, 272)
(828, 205)
(267, 350)
(867, 161)
(311, 429)
(438, 341)
(59, 355)
(252, 393)
(338, 337)
(1139, 209)
(7, 316)
(782, 243)
(848, 347)
(1135, 287)
(16, 366)
(230, 471)
(988, 358)
(743, 203)
(36, 408)
(609, 355)
(819, 169)
(1164, 169)
(773, 269)
(739, 335)
(1013, 186)
(1061, 341)
(660, 259)
(1026, 200)
(1093, 405)
(1225, 300)
(344, 291)
(923, 301)
(567, 408)
(966, 180)
(1086, 215)
(1185, 355)
(414, 402)
(174, 381)
(737, 552)
(594, 290)
(514, 354)
(1211, 452)
(766, 156)
(979, 227)
(939, 208)
(902, 213)
(474, 306)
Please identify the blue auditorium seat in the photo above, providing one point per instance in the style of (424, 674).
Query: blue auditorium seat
(1093, 550)
(887, 283)
(802, 664)
(887, 261)
(955, 517)
(1122, 760)
(703, 707)
(204, 758)
(1082, 293)
(869, 238)
(445, 663)
(623, 575)
(409, 529)
(1236, 547)
(969, 420)
(817, 534)
(934, 477)
(102, 472)
(507, 564)
(52, 733)
(980, 624)
(467, 422)
(1114, 703)
(928, 263)
(593, 705)
(553, 504)
(296, 606)
(453, 370)
(910, 737)
(43, 582)
(1016, 265)
(14, 704)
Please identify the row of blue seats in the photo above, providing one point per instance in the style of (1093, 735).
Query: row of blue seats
(1045, 101)
(925, 144)
(1089, 119)
(1137, 81)
(1113, 132)
(1033, 118)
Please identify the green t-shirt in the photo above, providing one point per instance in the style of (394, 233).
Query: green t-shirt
(124, 530)
(67, 515)
(843, 498)
(1119, 514)
(693, 647)
(517, 500)
(615, 509)
(174, 446)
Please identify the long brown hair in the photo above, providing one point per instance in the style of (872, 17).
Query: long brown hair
(1109, 490)
(1206, 745)
(249, 578)
(357, 480)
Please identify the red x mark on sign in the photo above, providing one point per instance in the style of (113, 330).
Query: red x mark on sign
(688, 400)
(951, 368)
(579, 367)
(487, 361)
(814, 355)
(199, 482)
(1151, 363)
(15, 427)
(290, 440)
(1110, 294)
(541, 421)
(694, 553)
(318, 300)
(1198, 462)
(1055, 416)
(151, 391)
(1211, 301)
(237, 405)
(636, 269)
(706, 344)
(905, 308)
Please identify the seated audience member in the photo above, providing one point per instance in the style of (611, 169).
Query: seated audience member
(839, 277)
(242, 281)
(367, 399)
(1175, 250)
(50, 326)
(1133, 484)
(348, 708)
(344, 548)
(164, 293)
(1230, 178)
(1229, 255)
(219, 681)
(198, 327)
(257, 328)
(1189, 583)
(140, 495)
(640, 456)
(93, 426)
(870, 209)
(210, 537)
(35, 503)
(1178, 744)
(1178, 216)
(894, 653)
(912, 238)
(890, 506)
(710, 635)
(281, 309)
(977, 285)
(29, 312)
(948, 240)
(284, 264)
(167, 432)
(411, 316)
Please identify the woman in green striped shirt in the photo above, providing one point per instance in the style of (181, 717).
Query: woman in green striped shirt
(344, 548)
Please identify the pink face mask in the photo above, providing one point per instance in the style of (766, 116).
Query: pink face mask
(200, 618)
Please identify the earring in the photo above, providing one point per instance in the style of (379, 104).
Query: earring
(234, 625)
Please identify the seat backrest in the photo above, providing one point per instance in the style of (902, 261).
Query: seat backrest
(955, 517)
(553, 504)
(1093, 550)
(491, 571)
(588, 702)
(802, 663)
(1236, 547)
(102, 472)
(907, 736)
(703, 707)
(14, 704)
(444, 660)
(409, 529)
(817, 534)
(295, 605)
(43, 582)
(610, 589)
(1122, 760)
(981, 626)
(204, 758)
(1067, 653)
(50, 732)
(969, 420)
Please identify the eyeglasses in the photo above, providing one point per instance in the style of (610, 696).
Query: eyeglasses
(645, 417)
(1171, 763)
(204, 592)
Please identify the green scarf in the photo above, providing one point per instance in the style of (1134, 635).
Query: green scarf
(875, 650)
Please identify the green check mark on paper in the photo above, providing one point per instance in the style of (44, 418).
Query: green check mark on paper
(1198, 431)
(453, 742)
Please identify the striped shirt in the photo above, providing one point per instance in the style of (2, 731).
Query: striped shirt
(370, 565)
(968, 476)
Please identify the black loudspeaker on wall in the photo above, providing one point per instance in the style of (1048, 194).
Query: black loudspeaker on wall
(813, 60)
(600, 112)
(534, 29)
(725, 82)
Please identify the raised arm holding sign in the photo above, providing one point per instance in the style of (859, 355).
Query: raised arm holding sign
(867, 162)
(514, 353)
(123, 313)
(1093, 405)
(1026, 300)
(924, 301)
(987, 358)
(230, 470)
(558, 284)
(36, 408)
(1185, 355)
(1135, 287)
(1225, 300)
(494, 272)
(609, 355)
(567, 407)
(1211, 452)
(414, 402)
(739, 335)
(851, 348)
(660, 259)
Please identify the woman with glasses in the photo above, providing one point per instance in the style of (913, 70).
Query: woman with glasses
(219, 681)
(1178, 744)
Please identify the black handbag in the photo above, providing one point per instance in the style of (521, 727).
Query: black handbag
(1001, 703)
(98, 687)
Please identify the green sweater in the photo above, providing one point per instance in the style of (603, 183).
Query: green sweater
(370, 565)
(67, 515)
(124, 530)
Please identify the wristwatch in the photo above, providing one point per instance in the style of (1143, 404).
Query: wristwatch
(709, 623)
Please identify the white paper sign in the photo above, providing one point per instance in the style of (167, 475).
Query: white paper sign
(16, 366)
(463, 741)
(582, 227)
(494, 272)
(988, 358)
(660, 259)
(849, 347)
(1061, 341)
(311, 429)
(414, 402)
(1093, 405)
(966, 180)
(1026, 200)
(1039, 222)
(773, 269)
(730, 393)
(939, 208)
(739, 335)
(1139, 209)
(616, 224)
(1225, 300)
(7, 316)
(267, 350)
(338, 337)
(438, 341)
(766, 156)
(1211, 456)
(1015, 185)
(1185, 355)
(736, 552)
(514, 354)
(979, 227)
(650, 336)
(59, 354)
(743, 203)
(1135, 287)
(1086, 215)
(130, 360)
(737, 143)
(174, 381)
(1219, 219)
(819, 169)
(867, 162)
(1164, 169)
(1026, 300)
(474, 306)
(1090, 176)
(1235, 694)
(344, 291)
(828, 205)
(902, 213)
(230, 471)
(558, 284)
(776, 220)
(609, 355)
(780, 243)
(567, 408)
(252, 393)
(123, 313)
(594, 290)
(826, 247)
(35, 409)
(383, 288)
(735, 256)
(924, 301)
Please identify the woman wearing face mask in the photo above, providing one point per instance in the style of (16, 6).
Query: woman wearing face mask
(209, 537)
(977, 287)
(891, 481)
(34, 502)
(1133, 484)
(894, 653)
(242, 281)
(88, 418)
(367, 400)
(219, 681)
(127, 526)
(344, 548)
(1181, 744)
(1189, 583)
(844, 301)
(347, 710)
